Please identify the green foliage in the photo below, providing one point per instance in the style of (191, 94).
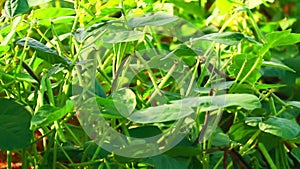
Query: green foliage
(227, 69)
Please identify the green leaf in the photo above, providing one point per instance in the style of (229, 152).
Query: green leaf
(166, 162)
(51, 13)
(294, 103)
(108, 109)
(14, 125)
(144, 131)
(47, 114)
(245, 61)
(280, 127)
(227, 38)
(157, 19)
(296, 153)
(125, 97)
(15, 7)
(123, 36)
(269, 86)
(209, 103)
(3, 50)
(225, 6)
(44, 52)
(241, 132)
(37, 2)
(278, 65)
(183, 151)
(282, 38)
(163, 113)
(82, 34)
(12, 31)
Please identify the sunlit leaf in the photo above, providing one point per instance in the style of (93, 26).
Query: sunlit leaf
(47, 114)
(244, 63)
(277, 65)
(208, 103)
(123, 36)
(280, 127)
(157, 19)
(227, 38)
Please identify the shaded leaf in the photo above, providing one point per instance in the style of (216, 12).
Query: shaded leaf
(14, 125)
(164, 161)
(15, 7)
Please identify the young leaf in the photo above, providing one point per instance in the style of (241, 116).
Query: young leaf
(280, 127)
(14, 125)
(15, 7)
(46, 115)
(44, 52)
(227, 38)
(51, 13)
(158, 19)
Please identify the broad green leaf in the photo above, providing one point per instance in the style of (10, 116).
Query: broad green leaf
(44, 52)
(227, 38)
(37, 2)
(108, 109)
(15, 7)
(144, 131)
(241, 132)
(167, 162)
(14, 125)
(123, 36)
(280, 127)
(282, 38)
(244, 63)
(158, 19)
(51, 13)
(296, 153)
(294, 103)
(209, 103)
(278, 65)
(183, 151)
(126, 97)
(47, 114)
(163, 113)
